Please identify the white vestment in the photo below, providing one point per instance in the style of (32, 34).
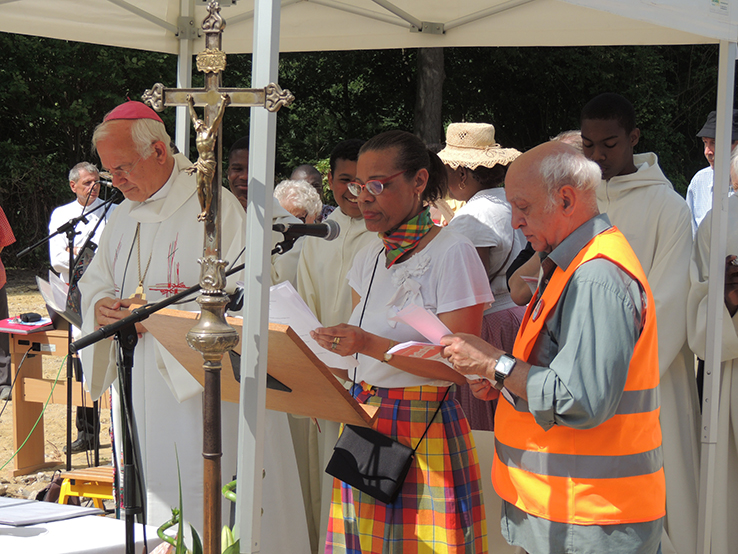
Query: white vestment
(321, 282)
(58, 253)
(167, 400)
(725, 496)
(657, 224)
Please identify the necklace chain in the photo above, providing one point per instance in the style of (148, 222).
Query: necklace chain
(139, 289)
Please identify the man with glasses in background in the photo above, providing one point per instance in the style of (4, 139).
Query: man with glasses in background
(84, 182)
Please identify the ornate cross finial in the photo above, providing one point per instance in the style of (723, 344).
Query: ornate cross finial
(213, 23)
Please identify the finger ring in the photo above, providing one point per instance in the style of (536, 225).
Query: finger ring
(333, 346)
(336, 340)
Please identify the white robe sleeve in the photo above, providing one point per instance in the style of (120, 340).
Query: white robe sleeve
(58, 254)
(697, 301)
(669, 281)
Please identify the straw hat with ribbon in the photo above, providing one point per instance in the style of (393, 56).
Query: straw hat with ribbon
(473, 144)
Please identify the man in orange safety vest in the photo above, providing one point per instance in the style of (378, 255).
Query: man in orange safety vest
(578, 460)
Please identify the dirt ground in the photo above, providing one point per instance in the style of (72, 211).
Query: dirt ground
(23, 296)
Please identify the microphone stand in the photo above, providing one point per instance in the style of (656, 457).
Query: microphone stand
(68, 229)
(127, 338)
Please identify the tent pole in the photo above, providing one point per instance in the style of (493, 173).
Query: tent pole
(254, 348)
(713, 348)
(184, 80)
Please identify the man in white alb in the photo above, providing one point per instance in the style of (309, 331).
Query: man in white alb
(84, 182)
(151, 246)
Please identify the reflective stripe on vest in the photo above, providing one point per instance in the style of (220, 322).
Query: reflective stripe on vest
(611, 474)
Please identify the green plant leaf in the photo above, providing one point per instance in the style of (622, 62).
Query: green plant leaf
(235, 548)
(196, 542)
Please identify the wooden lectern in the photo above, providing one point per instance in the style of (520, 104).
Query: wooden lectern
(314, 391)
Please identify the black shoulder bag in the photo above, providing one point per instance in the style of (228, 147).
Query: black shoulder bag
(368, 460)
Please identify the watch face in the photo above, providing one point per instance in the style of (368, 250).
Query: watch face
(504, 366)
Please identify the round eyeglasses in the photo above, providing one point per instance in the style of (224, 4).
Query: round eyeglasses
(375, 186)
(119, 172)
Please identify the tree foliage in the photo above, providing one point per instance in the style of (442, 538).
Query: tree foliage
(54, 93)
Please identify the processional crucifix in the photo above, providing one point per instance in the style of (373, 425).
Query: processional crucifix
(212, 336)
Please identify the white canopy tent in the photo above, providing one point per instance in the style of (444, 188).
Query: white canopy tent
(311, 25)
(266, 27)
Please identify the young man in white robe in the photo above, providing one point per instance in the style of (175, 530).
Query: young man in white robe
(151, 245)
(641, 202)
(321, 282)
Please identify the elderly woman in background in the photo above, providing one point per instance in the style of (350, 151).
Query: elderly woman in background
(300, 199)
(440, 506)
(476, 167)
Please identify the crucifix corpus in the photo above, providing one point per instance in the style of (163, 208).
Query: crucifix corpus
(212, 336)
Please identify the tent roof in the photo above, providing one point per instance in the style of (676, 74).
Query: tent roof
(312, 25)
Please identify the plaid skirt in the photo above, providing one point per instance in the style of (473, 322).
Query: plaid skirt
(440, 506)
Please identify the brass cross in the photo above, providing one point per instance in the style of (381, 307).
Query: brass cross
(212, 336)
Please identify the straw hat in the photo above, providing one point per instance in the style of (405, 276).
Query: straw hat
(473, 144)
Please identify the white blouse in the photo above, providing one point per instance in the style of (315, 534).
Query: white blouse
(446, 275)
(486, 219)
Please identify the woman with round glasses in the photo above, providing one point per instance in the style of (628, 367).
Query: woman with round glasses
(440, 506)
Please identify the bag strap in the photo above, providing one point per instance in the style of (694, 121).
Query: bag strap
(363, 309)
(361, 319)
(431, 419)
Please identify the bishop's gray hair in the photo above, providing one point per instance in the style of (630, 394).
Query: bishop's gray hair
(569, 168)
(144, 132)
(86, 166)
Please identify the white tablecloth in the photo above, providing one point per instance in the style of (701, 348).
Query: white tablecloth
(81, 535)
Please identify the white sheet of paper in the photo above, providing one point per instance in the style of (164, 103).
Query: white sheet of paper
(423, 321)
(54, 291)
(288, 308)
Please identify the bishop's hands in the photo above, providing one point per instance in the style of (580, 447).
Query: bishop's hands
(731, 284)
(110, 310)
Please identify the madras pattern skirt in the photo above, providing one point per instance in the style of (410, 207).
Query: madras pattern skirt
(440, 507)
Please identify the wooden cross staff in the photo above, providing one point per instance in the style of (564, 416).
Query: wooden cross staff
(212, 336)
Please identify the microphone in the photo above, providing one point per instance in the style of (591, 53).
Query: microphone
(328, 230)
(105, 178)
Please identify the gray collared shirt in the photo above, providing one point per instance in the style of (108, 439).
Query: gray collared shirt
(580, 364)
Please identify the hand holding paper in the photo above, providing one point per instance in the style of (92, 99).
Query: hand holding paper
(432, 328)
(286, 307)
(471, 356)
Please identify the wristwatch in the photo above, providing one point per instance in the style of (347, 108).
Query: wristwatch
(503, 368)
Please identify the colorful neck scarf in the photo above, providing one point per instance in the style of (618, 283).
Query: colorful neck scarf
(406, 237)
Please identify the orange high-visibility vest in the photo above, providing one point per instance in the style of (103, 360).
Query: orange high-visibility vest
(611, 474)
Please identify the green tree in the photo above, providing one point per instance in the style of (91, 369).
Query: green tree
(53, 94)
